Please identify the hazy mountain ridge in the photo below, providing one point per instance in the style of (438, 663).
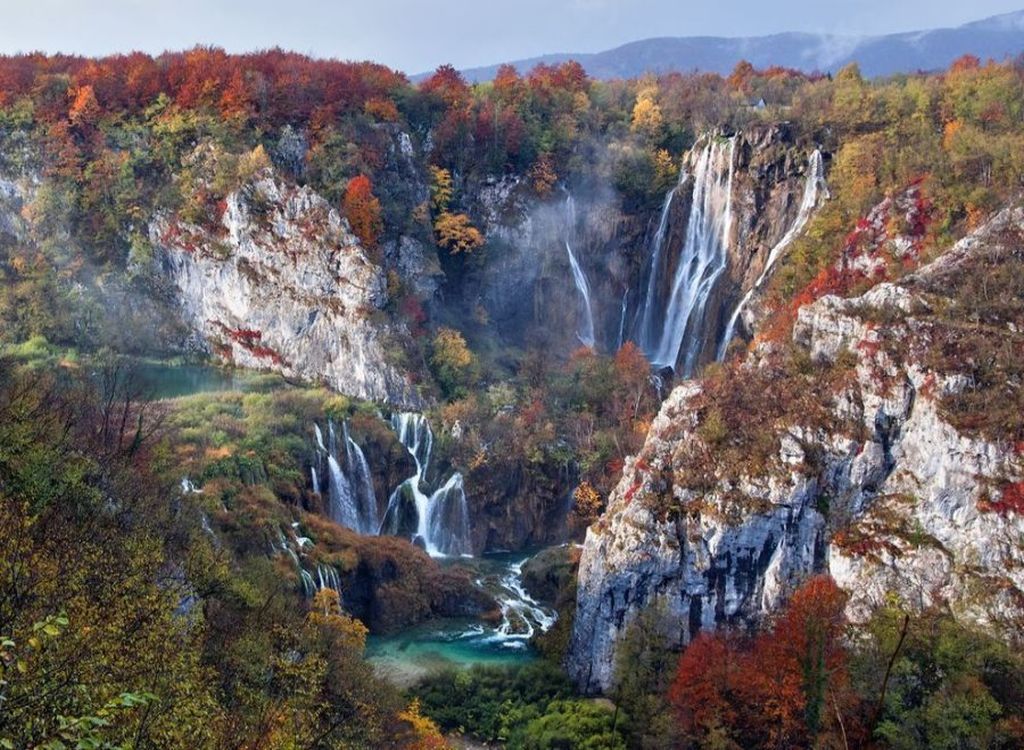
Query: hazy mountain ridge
(997, 37)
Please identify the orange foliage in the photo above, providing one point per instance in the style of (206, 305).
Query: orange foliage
(363, 211)
(84, 109)
(381, 108)
(782, 690)
(275, 86)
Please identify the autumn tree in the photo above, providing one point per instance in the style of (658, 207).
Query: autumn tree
(363, 211)
(456, 233)
(587, 502)
(647, 117)
(789, 688)
(442, 189)
(452, 362)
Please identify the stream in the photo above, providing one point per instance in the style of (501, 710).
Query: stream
(406, 657)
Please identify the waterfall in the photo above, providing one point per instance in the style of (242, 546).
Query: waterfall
(521, 614)
(362, 480)
(352, 501)
(586, 335)
(702, 260)
(622, 319)
(814, 187)
(645, 332)
(439, 520)
(327, 578)
(447, 523)
(342, 505)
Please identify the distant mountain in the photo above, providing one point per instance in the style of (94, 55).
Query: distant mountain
(997, 37)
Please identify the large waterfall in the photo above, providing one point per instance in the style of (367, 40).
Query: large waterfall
(440, 520)
(702, 261)
(814, 188)
(586, 331)
(352, 501)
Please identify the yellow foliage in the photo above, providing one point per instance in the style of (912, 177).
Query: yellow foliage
(456, 234)
(252, 163)
(664, 168)
(587, 502)
(325, 613)
(442, 190)
(426, 734)
(647, 117)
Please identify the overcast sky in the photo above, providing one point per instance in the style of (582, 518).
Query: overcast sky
(418, 35)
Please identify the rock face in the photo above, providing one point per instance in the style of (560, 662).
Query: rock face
(883, 492)
(284, 286)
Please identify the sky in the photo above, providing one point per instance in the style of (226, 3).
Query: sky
(419, 35)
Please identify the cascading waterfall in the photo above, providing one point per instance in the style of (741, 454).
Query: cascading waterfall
(440, 521)
(326, 576)
(814, 188)
(647, 330)
(352, 501)
(702, 261)
(362, 484)
(521, 614)
(622, 319)
(586, 333)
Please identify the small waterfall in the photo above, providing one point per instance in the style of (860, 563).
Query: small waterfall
(308, 584)
(521, 614)
(646, 332)
(352, 501)
(188, 487)
(622, 319)
(814, 188)
(586, 333)
(342, 507)
(327, 578)
(362, 480)
(439, 520)
(702, 261)
(448, 517)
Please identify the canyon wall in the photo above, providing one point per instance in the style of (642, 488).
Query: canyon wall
(864, 474)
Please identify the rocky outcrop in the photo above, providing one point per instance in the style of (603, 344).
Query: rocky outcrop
(879, 487)
(283, 285)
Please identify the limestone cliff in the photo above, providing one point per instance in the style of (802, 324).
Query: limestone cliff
(284, 285)
(858, 452)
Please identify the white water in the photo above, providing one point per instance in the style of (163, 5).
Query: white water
(352, 501)
(586, 333)
(325, 577)
(702, 260)
(622, 319)
(814, 188)
(442, 517)
(521, 615)
(362, 486)
(645, 333)
(342, 507)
